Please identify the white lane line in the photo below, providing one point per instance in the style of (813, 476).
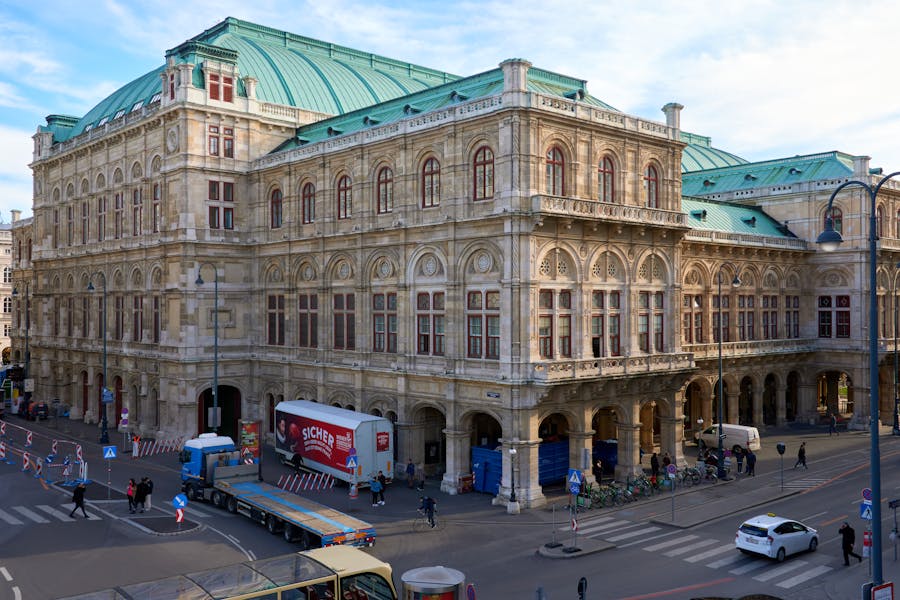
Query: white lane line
(582, 525)
(689, 547)
(613, 525)
(772, 574)
(17, 595)
(662, 545)
(789, 583)
(9, 518)
(62, 516)
(30, 514)
(632, 534)
(754, 565)
(710, 553)
(649, 539)
(726, 561)
(5, 574)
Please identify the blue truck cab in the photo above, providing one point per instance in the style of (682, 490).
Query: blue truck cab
(199, 459)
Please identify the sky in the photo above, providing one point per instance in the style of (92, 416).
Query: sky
(763, 79)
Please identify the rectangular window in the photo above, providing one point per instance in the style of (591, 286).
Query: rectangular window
(344, 322)
(70, 225)
(119, 313)
(119, 215)
(221, 213)
(137, 208)
(85, 314)
(384, 322)
(55, 228)
(157, 320)
(842, 316)
(430, 323)
(275, 320)
(545, 336)
(70, 316)
(564, 326)
(598, 303)
(483, 324)
(101, 218)
(227, 89)
(157, 197)
(213, 194)
(825, 316)
(85, 222)
(228, 142)
(213, 86)
(615, 348)
(308, 306)
(213, 140)
(792, 317)
(658, 332)
(137, 318)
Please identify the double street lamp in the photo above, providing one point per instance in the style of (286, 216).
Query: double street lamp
(215, 388)
(105, 393)
(829, 240)
(720, 460)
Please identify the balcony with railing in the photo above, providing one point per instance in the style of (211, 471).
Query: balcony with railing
(578, 208)
(610, 366)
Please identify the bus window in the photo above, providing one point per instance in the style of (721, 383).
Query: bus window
(366, 586)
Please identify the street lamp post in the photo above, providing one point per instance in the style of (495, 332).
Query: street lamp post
(720, 459)
(699, 440)
(104, 392)
(15, 293)
(215, 389)
(513, 506)
(895, 429)
(829, 240)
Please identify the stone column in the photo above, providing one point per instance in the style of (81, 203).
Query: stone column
(757, 406)
(780, 405)
(528, 490)
(628, 454)
(806, 402)
(458, 459)
(671, 436)
(581, 445)
(733, 405)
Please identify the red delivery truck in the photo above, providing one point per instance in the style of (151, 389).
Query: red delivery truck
(319, 437)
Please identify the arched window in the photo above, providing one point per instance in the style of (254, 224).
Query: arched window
(308, 201)
(606, 180)
(275, 207)
(385, 198)
(7, 274)
(897, 225)
(837, 218)
(556, 172)
(431, 183)
(483, 174)
(651, 183)
(879, 221)
(344, 197)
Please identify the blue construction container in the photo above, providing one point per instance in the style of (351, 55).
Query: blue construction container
(553, 462)
(487, 466)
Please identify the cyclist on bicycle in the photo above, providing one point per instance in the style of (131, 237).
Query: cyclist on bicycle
(427, 505)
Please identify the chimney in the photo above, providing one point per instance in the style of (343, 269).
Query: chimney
(861, 166)
(673, 115)
(16, 215)
(515, 74)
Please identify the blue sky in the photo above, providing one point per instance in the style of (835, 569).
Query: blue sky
(764, 79)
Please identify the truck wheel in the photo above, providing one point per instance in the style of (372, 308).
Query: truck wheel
(273, 524)
(297, 461)
(217, 499)
(304, 541)
(231, 504)
(193, 493)
(288, 532)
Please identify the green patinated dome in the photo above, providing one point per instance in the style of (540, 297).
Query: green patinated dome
(290, 69)
(699, 154)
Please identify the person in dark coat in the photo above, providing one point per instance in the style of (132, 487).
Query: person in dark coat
(78, 499)
(654, 465)
(130, 492)
(140, 494)
(848, 538)
(751, 463)
(739, 457)
(801, 456)
(375, 487)
(383, 480)
(410, 474)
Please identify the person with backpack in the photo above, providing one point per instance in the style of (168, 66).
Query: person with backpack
(78, 499)
(376, 488)
(427, 505)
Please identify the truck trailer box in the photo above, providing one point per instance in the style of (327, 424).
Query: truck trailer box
(320, 437)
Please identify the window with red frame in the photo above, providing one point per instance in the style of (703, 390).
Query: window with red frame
(385, 191)
(770, 317)
(308, 312)
(119, 215)
(275, 320)
(344, 321)
(483, 174)
(228, 142)
(119, 318)
(606, 180)
(722, 325)
(137, 318)
(101, 218)
(431, 183)
(746, 318)
(430, 323)
(213, 140)
(344, 197)
(692, 315)
(837, 219)
(308, 203)
(651, 185)
(556, 172)
(137, 211)
(483, 324)
(384, 322)
(275, 209)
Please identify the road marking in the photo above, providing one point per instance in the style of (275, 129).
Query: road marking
(725, 561)
(780, 570)
(649, 539)
(586, 530)
(789, 583)
(688, 548)
(29, 514)
(62, 516)
(5, 574)
(662, 545)
(17, 595)
(751, 566)
(9, 518)
(631, 534)
(195, 512)
(710, 553)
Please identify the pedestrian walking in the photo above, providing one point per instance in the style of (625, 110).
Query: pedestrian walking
(848, 538)
(667, 460)
(739, 458)
(598, 471)
(130, 492)
(375, 488)
(78, 499)
(410, 474)
(751, 463)
(801, 456)
(654, 466)
(832, 424)
(140, 494)
(149, 493)
(383, 481)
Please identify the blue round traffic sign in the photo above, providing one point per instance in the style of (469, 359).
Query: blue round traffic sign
(671, 469)
(867, 494)
(179, 501)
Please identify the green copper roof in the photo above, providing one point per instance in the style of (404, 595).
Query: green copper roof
(482, 85)
(784, 171)
(699, 154)
(712, 215)
(290, 69)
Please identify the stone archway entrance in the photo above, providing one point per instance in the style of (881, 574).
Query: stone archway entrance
(553, 452)
(229, 403)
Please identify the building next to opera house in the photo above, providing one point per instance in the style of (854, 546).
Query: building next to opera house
(493, 262)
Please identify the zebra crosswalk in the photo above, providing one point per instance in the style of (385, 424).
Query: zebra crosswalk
(45, 514)
(696, 549)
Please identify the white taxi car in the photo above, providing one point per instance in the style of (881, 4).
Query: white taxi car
(775, 537)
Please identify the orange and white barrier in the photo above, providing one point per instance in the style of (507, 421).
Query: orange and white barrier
(154, 447)
(305, 482)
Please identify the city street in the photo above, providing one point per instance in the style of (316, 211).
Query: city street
(45, 554)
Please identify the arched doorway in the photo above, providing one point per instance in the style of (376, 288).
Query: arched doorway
(487, 455)
(605, 446)
(229, 402)
(770, 400)
(714, 417)
(553, 452)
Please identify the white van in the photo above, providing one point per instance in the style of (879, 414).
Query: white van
(735, 435)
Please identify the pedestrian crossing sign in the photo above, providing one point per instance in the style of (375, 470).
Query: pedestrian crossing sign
(865, 511)
(109, 452)
(575, 476)
(351, 461)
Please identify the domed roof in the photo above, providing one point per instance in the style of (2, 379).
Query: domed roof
(290, 69)
(699, 154)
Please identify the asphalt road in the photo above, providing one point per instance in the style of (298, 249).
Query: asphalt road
(649, 555)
